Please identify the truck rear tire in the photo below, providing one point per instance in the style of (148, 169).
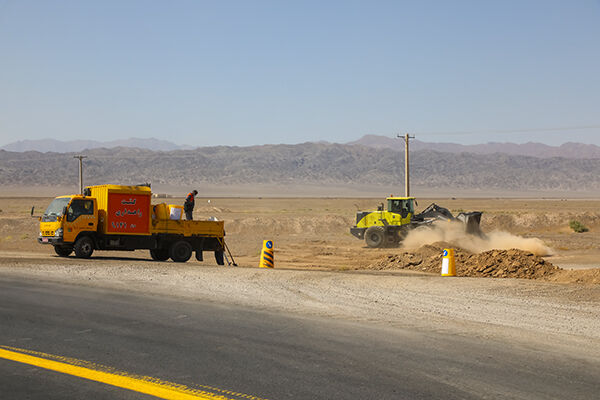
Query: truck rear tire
(375, 236)
(84, 247)
(63, 251)
(219, 257)
(159, 254)
(180, 251)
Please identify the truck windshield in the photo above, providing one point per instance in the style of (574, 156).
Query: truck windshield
(55, 209)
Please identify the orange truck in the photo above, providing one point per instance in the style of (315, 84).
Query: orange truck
(115, 217)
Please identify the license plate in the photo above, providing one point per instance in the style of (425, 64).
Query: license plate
(45, 240)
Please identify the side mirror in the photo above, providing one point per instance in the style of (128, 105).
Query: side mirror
(39, 217)
(64, 210)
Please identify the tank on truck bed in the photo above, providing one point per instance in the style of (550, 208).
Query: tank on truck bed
(115, 217)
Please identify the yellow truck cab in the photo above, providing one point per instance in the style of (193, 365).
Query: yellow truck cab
(115, 217)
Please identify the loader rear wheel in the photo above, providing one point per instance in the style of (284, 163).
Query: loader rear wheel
(375, 236)
(63, 251)
(180, 251)
(159, 254)
(84, 247)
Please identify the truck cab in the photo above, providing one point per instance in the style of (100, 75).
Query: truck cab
(65, 219)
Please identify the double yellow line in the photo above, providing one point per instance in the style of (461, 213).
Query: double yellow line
(142, 384)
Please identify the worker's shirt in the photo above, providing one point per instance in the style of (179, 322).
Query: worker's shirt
(189, 202)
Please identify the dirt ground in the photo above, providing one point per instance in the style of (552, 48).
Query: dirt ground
(313, 233)
(320, 269)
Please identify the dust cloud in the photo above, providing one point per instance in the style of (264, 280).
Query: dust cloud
(453, 232)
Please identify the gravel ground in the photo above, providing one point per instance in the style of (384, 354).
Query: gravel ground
(565, 316)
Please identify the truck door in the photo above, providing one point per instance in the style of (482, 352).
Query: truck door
(80, 217)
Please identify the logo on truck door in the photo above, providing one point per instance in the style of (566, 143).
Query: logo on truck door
(128, 213)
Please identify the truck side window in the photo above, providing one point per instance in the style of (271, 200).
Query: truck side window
(80, 207)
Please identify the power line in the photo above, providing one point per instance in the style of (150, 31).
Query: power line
(496, 131)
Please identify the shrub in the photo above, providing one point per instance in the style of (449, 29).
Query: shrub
(578, 226)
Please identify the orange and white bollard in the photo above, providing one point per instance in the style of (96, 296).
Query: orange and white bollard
(267, 257)
(448, 263)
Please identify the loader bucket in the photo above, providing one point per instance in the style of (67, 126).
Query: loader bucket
(471, 221)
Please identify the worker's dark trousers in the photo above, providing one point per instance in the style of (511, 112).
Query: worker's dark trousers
(188, 214)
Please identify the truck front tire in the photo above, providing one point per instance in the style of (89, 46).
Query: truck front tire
(180, 251)
(375, 236)
(159, 254)
(84, 247)
(63, 251)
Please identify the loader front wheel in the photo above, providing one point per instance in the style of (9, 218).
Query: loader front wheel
(375, 236)
(180, 251)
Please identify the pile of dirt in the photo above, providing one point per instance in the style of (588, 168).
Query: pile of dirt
(511, 263)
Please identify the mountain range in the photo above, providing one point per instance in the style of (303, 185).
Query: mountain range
(539, 150)
(321, 164)
(531, 149)
(60, 146)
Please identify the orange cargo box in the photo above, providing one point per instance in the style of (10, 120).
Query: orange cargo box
(123, 210)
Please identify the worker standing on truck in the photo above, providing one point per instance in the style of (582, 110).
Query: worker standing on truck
(188, 206)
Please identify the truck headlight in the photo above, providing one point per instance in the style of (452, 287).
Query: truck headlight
(58, 232)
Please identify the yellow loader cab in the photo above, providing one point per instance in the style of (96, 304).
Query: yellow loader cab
(115, 217)
(380, 228)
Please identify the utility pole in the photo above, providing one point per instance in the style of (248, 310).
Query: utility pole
(406, 138)
(80, 172)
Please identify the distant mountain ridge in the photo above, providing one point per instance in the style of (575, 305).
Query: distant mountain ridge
(531, 149)
(539, 150)
(59, 146)
(305, 163)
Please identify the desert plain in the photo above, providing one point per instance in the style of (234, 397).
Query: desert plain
(547, 293)
(313, 233)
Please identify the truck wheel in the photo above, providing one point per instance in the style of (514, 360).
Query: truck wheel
(63, 251)
(180, 251)
(219, 256)
(84, 247)
(159, 254)
(375, 236)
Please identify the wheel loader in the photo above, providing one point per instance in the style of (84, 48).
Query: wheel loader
(389, 227)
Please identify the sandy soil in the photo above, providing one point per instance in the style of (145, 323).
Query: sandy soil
(322, 270)
(314, 232)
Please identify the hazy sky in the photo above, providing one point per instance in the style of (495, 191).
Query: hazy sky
(253, 72)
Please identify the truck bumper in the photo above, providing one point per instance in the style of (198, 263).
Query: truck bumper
(50, 240)
(358, 232)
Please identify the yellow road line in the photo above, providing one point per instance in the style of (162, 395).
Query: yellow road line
(142, 384)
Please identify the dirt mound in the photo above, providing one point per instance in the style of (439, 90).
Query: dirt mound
(505, 264)
(511, 263)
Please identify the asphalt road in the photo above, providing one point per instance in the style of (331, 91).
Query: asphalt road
(262, 354)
